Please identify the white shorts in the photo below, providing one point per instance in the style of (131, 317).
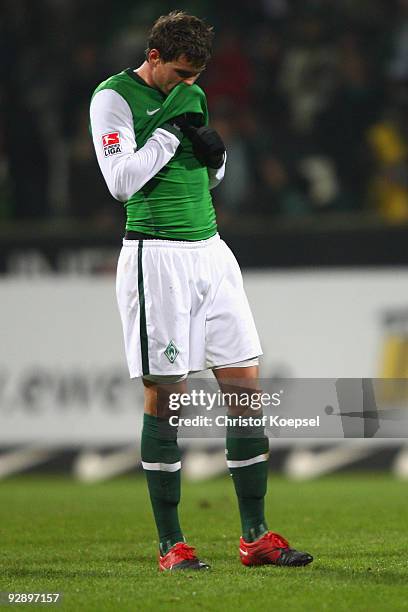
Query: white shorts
(183, 307)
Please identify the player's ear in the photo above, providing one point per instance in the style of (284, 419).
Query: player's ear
(153, 56)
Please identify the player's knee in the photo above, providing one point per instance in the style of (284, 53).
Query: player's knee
(158, 393)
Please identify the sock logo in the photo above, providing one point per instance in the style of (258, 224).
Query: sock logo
(111, 144)
(171, 351)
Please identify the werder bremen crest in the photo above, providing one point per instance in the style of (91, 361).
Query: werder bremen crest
(171, 351)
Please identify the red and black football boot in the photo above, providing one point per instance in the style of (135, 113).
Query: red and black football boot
(271, 549)
(181, 557)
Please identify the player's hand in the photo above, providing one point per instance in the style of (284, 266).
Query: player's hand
(208, 146)
(179, 125)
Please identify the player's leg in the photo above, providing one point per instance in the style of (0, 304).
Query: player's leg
(247, 460)
(161, 463)
(231, 338)
(155, 312)
(247, 449)
(161, 460)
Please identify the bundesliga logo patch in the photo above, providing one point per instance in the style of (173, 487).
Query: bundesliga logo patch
(111, 144)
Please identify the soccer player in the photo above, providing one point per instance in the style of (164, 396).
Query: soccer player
(179, 287)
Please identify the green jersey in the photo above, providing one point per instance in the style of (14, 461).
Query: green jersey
(176, 203)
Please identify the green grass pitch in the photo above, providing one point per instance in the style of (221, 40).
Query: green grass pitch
(97, 544)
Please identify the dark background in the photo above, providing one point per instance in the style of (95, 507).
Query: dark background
(310, 96)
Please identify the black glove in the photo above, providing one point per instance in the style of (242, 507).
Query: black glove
(180, 125)
(208, 146)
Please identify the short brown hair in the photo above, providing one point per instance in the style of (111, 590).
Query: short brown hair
(178, 34)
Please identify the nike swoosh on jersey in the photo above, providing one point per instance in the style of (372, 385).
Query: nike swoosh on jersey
(153, 112)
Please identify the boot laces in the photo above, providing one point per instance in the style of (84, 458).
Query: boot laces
(276, 540)
(185, 551)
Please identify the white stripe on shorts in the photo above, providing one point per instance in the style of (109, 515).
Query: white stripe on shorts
(246, 462)
(162, 467)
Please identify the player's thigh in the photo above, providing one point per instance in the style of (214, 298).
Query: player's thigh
(231, 334)
(154, 303)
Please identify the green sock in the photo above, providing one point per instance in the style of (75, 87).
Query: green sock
(161, 463)
(250, 481)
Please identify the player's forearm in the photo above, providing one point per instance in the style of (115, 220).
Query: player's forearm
(130, 173)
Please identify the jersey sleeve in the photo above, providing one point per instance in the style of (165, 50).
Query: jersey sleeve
(216, 175)
(126, 168)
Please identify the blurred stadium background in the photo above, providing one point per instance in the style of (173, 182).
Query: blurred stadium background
(311, 98)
